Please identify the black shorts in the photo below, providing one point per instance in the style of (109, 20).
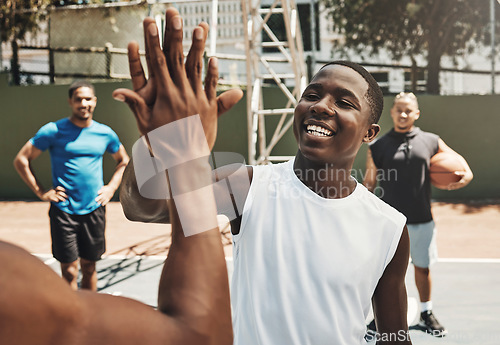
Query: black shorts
(75, 236)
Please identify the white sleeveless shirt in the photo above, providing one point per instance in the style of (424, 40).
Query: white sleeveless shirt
(306, 267)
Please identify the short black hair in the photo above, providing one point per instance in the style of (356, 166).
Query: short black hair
(78, 84)
(373, 95)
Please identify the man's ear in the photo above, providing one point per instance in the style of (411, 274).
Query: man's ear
(371, 133)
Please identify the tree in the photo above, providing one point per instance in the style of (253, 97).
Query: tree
(433, 28)
(18, 17)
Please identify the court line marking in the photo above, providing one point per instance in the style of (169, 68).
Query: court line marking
(470, 260)
(49, 259)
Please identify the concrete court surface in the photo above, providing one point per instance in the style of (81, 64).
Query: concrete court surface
(466, 294)
(466, 280)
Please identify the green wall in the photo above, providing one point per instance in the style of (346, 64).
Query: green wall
(469, 124)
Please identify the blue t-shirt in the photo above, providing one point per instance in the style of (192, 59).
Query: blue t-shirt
(76, 156)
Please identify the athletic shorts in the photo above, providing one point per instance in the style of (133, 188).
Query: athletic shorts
(75, 236)
(423, 247)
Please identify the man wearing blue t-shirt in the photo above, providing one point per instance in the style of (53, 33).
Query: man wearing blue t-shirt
(78, 195)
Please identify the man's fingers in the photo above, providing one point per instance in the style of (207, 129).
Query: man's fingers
(135, 66)
(157, 59)
(101, 200)
(58, 198)
(172, 47)
(211, 79)
(60, 194)
(145, 25)
(194, 60)
(136, 104)
(227, 100)
(128, 96)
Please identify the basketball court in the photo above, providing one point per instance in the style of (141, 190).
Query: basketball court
(465, 280)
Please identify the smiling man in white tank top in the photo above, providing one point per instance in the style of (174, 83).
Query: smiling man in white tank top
(313, 249)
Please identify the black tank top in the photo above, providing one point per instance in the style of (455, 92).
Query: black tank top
(402, 160)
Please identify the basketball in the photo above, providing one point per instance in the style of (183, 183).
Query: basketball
(442, 169)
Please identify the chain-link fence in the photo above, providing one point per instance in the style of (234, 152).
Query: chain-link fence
(91, 41)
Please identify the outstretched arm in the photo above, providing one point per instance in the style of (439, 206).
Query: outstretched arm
(141, 102)
(194, 284)
(390, 300)
(193, 298)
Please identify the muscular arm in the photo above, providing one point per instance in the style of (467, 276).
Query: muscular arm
(48, 312)
(106, 192)
(22, 163)
(121, 158)
(390, 300)
(193, 296)
(370, 180)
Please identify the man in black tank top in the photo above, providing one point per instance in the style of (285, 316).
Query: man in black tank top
(400, 162)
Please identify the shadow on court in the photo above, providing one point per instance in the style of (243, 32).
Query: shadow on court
(157, 245)
(111, 275)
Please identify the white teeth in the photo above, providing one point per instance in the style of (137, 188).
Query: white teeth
(318, 131)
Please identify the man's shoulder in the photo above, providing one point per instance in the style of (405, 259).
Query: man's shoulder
(383, 138)
(101, 127)
(380, 142)
(235, 171)
(51, 127)
(275, 168)
(60, 125)
(383, 208)
(428, 135)
(46, 135)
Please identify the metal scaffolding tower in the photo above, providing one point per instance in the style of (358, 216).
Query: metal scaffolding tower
(261, 66)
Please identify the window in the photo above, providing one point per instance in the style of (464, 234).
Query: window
(382, 79)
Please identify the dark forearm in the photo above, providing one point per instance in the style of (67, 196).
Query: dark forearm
(195, 259)
(390, 299)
